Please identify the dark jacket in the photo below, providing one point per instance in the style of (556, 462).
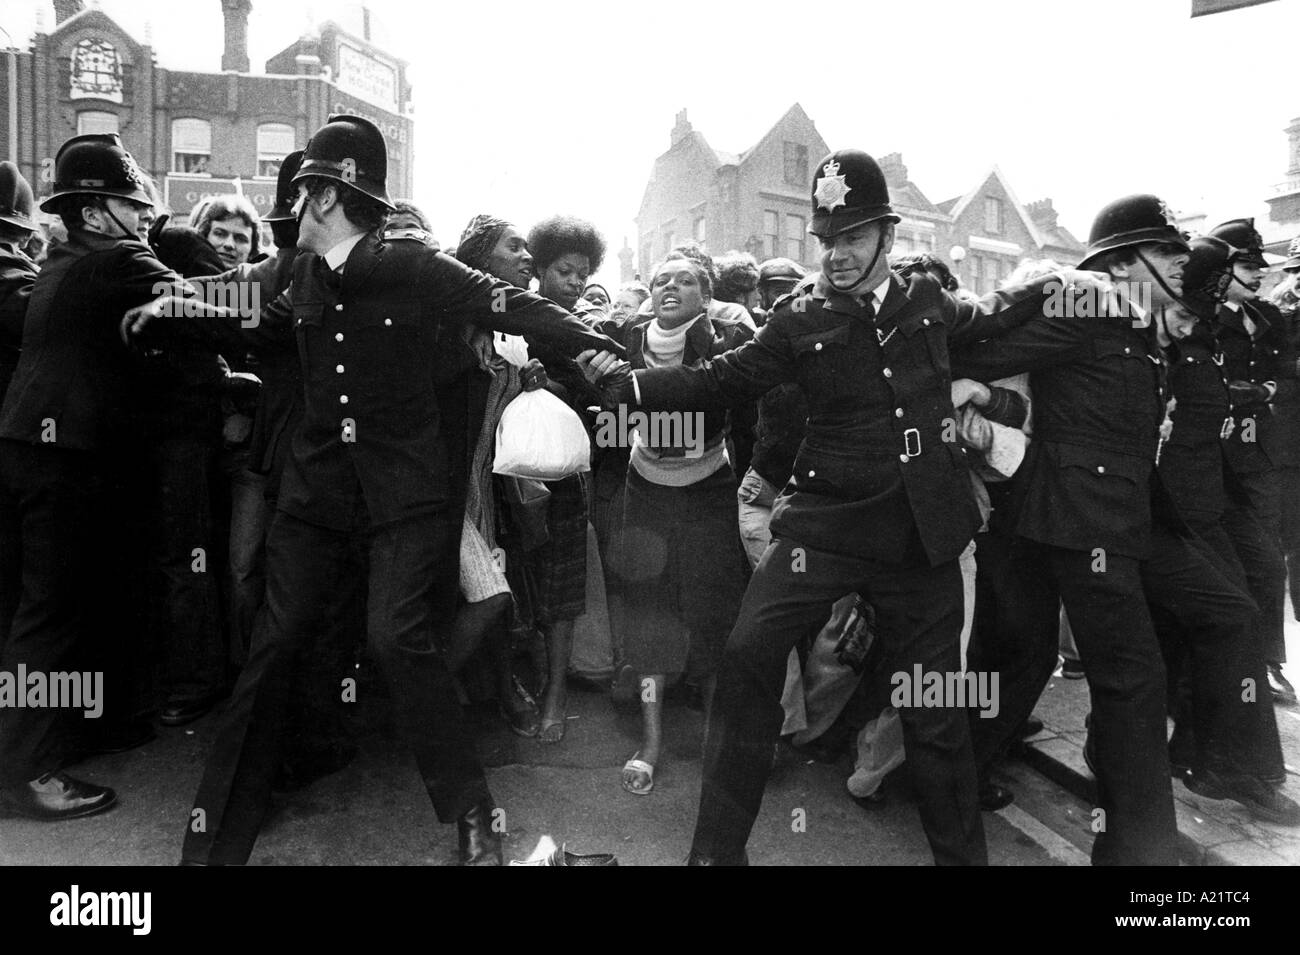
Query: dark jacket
(17, 278)
(371, 434)
(707, 338)
(1286, 404)
(1089, 473)
(1192, 461)
(874, 477)
(74, 369)
(1263, 356)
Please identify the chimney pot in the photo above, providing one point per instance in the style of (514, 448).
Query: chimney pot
(235, 55)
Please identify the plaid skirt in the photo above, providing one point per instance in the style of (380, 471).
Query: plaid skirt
(556, 572)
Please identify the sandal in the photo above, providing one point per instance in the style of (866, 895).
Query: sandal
(547, 732)
(523, 720)
(643, 770)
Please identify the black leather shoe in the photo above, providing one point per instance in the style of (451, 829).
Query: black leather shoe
(993, 797)
(696, 858)
(1032, 727)
(56, 796)
(1282, 690)
(479, 843)
(872, 801)
(180, 712)
(520, 713)
(562, 856)
(1264, 802)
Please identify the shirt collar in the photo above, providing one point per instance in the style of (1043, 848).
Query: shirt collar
(1232, 306)
(878, 293)
(336, 256)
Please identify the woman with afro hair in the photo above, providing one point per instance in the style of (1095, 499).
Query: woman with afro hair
(566, 251)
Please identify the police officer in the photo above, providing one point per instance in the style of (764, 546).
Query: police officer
(368, 451)
(62, 426)
(1080, 509)
(1284, 297)
(878, 503)
(1195, 586)
(1261, 376)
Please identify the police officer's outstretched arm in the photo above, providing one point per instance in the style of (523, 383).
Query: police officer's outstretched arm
(460, 294)
(733, 379)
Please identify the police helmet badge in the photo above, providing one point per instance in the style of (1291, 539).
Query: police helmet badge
(133, 171)
(1168, 215)
(1293, 250)
(348, 170)
(831, 188)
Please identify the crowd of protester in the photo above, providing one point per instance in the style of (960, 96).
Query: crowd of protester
(631, 574)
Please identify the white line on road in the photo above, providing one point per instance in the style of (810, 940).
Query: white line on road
(1055, 845)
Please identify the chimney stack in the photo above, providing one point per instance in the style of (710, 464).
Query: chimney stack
(66, 9)
(235, 56)
(1042, 213)
(893, 169)
(681, 129)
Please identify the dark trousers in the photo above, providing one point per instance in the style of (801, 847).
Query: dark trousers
(250, 518)
(187, 587)
(1254, 527)
(1234, 726)
(1108, 612)
(1289, 492)
(412, 592)
(919, 618)
(64, 591)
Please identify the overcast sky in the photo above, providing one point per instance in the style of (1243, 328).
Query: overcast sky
(527, 109)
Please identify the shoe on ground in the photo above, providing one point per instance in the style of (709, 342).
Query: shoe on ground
(1072, 669)
(562, 856)
(1281, 688)
(56, 796)
(994, 797)
(1090, 755)
(1032, 727)
(303, 769)
(180, 712)
(872, 800)
(1264, 802)
(698, 858)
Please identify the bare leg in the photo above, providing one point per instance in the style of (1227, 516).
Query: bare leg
(559, 645)
(652, 708)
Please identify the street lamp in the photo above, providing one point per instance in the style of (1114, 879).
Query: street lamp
(957, 254)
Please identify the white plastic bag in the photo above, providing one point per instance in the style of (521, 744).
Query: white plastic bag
(541, 437)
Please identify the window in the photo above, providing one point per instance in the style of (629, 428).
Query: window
(992, 273)
(796, 164)
(770, 235)
(191, 146)
(795, 236)
(92, 121)
(993, 216)
(274, 142)
(698, 231)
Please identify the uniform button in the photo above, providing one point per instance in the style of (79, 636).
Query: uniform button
(338, 336)
(1101, 469)
(343, 399)
(388, 321)
(812, 473)
(1127, 350)
(817, 347)
(339, 369)
(887, 373)
(898, 412)
(925, 321)
(903, 458)
(339, 307)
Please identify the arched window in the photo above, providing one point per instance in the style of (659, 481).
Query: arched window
(191, 146)
(274, 142)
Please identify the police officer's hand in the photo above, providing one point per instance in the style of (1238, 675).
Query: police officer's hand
(533, 375)
(1248, 392)
(137, 319)
(597, 364)
(967, 390)
(975, 430)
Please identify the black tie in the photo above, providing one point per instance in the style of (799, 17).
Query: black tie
(331, 279)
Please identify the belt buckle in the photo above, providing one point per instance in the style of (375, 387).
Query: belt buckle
(912, 442)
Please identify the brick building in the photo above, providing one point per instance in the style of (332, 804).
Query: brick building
(199, 133)
(1284, 203)
(758, 201)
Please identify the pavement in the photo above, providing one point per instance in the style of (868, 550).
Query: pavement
(375, 811)
(1211, 831)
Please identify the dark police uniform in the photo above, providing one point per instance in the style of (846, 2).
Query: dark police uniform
(878, 503)
(370, 447)
(63, 426)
